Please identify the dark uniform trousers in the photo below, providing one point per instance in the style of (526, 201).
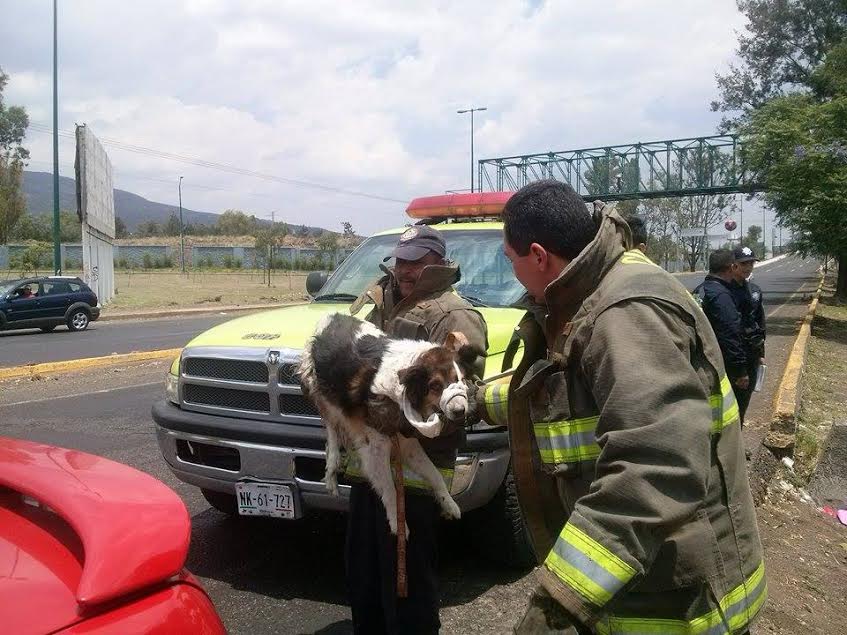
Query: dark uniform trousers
(371, 564)
(743, 395)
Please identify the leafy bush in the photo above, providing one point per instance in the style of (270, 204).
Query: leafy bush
(147, 261)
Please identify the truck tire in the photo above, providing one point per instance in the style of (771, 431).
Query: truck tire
(498, 530)
(225, 503)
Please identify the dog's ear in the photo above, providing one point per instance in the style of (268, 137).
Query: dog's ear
(455, 341)
(416, 381)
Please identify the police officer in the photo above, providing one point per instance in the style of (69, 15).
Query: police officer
(748, 299)
(717, 298)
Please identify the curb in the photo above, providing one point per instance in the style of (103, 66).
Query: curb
(31, 370)
(152, 315)
(783, 426)
(780, 439)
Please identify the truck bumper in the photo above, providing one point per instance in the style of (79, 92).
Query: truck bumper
(214, 452)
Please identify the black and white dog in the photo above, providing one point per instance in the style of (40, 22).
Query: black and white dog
(366, 385)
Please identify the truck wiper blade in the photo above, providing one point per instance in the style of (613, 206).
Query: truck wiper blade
(339, 297)
(473, 300)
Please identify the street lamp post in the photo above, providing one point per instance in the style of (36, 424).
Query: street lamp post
(57, 248)
(472, 111)
(181, 229)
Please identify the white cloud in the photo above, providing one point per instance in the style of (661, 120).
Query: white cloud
(359, 95)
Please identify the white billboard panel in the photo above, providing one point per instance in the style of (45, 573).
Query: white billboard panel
(95, 196)
(96, 208)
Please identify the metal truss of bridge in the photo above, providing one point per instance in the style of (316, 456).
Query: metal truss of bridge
(680, 167)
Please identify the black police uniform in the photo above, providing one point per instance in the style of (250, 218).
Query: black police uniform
(719, 304)
(748, 299)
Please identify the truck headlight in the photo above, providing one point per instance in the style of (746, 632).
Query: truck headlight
(172, 388)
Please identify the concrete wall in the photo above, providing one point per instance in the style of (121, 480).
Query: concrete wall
(134, 255)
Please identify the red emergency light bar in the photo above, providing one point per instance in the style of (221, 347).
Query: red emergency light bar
(457, 205)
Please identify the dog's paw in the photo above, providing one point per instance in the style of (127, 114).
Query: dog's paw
(331, 481)
(449, 508)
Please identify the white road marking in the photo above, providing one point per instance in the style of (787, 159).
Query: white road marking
(83, 394)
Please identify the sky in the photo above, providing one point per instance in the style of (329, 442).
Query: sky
(347, 110)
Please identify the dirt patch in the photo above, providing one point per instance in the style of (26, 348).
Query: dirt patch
(805, 549)
(162, 290)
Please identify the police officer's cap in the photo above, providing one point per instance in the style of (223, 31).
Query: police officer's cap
(744, 254)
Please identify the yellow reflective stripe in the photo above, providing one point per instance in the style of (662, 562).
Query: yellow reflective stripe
(568, 440)
(724, 407)
(735, 612)
(497, 403)
(636, 257)
(587, 566)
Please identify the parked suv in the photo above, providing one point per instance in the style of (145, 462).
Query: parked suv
(46, 303)
(235, 422)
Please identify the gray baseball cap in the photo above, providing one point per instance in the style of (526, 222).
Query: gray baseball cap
(417, 241)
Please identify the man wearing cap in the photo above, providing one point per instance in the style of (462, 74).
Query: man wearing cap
(719, 303)
(415, 299)
(748, 299)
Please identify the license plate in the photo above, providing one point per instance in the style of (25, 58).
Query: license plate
(265, 499)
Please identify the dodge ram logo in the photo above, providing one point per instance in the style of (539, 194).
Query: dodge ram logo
(273, 358)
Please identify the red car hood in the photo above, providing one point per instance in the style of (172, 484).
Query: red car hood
(120, 530)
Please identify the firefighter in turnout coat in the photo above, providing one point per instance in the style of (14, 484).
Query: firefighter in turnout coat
(626, 441)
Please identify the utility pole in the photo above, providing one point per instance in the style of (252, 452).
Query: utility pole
(57, 247)
(741, 221)
(181, 229)
(471, 110)
(764, 237)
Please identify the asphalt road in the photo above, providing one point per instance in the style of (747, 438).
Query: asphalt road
(264, 575)
(102, 338)
(274, 576)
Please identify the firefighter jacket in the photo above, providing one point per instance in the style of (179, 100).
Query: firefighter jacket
(719, 303)
(635, 424)
(431, 312)
(748, 299)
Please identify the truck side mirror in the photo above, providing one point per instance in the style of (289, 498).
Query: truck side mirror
(315, 282)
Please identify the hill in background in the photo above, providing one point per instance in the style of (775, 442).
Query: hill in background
(132, 208)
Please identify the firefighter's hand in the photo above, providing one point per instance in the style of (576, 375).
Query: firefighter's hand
(476, 403)
(544, 616)
(743, 382)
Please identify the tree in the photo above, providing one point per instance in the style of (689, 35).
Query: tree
(797, 146)
(120, 228)
(172, 226)
(660, 216)
(12, 202)
(787, 41)
(70, 229)
(613, 175)
(31, 227)
(234, 222)
(149, 228)
(13, 124)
